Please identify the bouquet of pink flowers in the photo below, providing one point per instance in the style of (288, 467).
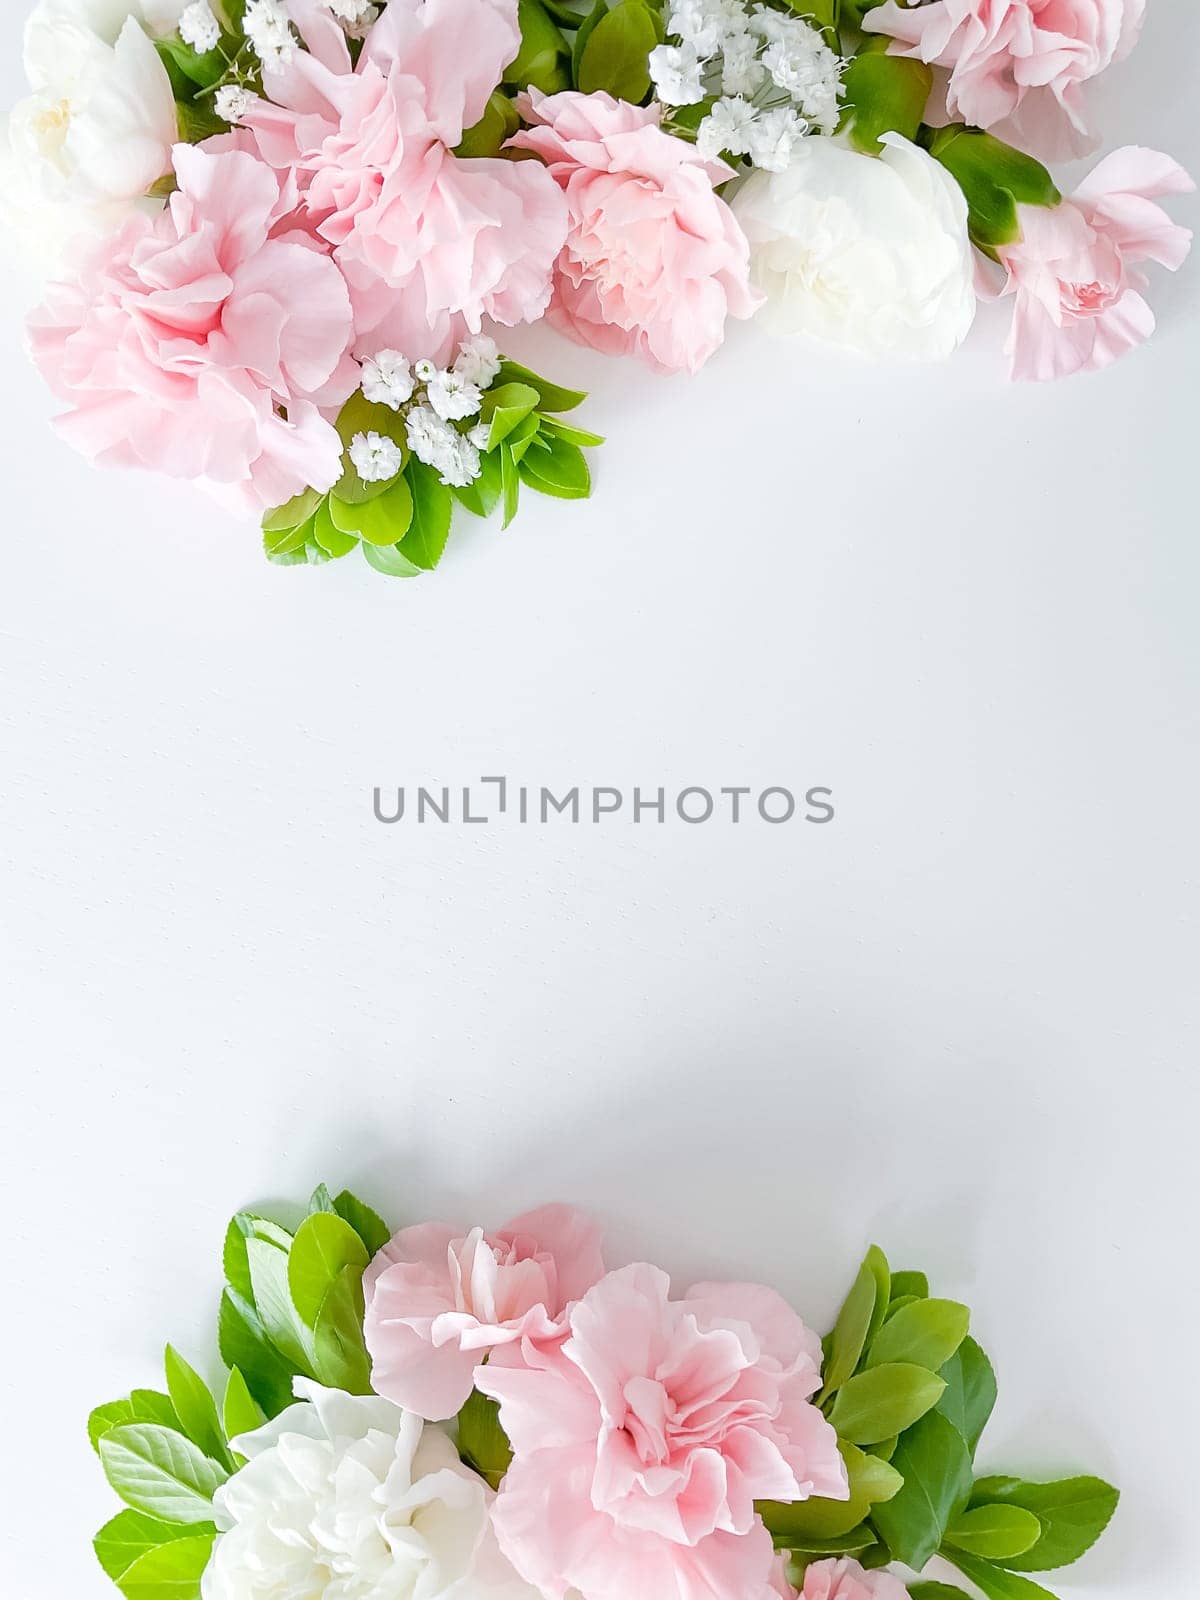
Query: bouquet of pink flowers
(454, 1414)
(289, 232)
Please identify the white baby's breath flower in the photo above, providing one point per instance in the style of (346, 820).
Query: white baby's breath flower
(199, 27)
(349, 1496)
(425, 369)
(376, 458)
(478, 360)
(773, 137)
(351, 11)
(677, 75)
(452, 397)
(429, 436)
(741, 71)
(479, 435)
(231, 102)
(387, 379)
(804, 67)
(268, 27)
(728, 127)
(698, 23)
(460, 464)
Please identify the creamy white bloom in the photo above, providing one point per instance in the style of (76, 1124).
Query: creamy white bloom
(864, 254)
(95, 133)
(677, 75)
(387, 379)
(478, 360)
(231, 102)
(376, 458)
(452, 396)
(199, 27)
(268, 27)
(347, 1497)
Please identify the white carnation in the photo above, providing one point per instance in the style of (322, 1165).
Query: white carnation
(199, 27)
(350, 1497)
(862, 253)
(387, 379)
(376, 458)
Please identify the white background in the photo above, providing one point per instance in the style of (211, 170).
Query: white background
(960, 1020)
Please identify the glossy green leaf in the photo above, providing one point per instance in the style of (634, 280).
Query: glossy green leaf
(616, 56)
(877, 1264)
(143, 1405)
(482, 1442)
(483, 495)
(586, 28)
(552, 428)
(934, 1462)
(488, 136)
(234, 1259)
(1073, 1513)
(369, 1225)
(510, 485)
(341, 1355)
(240, 1411)
(432, 512)
(886, 1400)
(171, 1572)
(551, 396)
(157, 1471)
(321, 1200)
(523, 436)
(915, 1284)
(544, 59)
(195, 1407)
(970, 1391)
(935, 1591)
(283, 542)
(332, 540)
(384, 520)
(391, 560)
(996, 1583)
(811, 1522)
(995, 178)
(130, 1534)
(849, 1336)
(556, 467)
(293, 513)
(994, 1532)
(925, 1333)
(244, 1344)
(360, 415)
(883, 94)
(273, 1302)
(323, 1247)
(505, 405)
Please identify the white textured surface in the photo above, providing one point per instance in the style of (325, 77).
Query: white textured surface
(960, 1020)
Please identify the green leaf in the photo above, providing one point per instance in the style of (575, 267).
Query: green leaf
(886, 1400)
(849, 1335)
(558, 468)
(384, 520)
(552, 428)
(160, 1473)
(273, 1302)
(809, 1523)
(432, 510)
(995, 1532)
(391, 560)
(935, 1591)
(201, 68)
(915, 1284)
(195, 1407)
(994, 1581)
(551, 396)
(360, 415)
(341, 1354)
(482, 1442)
(934, 1461)
(995, 179)
(883, 94)
(235, 1261)
(487, 137)
(172, 1572)
(970, 1391)
(293, 513)
(367, 1224)
(321, 1200)
(1073, 1512)
(544, 59)
(330, 537)
(283, 542)
(523, 435)
(505, 405)
(854, 1543)
(143, 1405)
(586, 28)
(925, 1333)
(877, 1263)
(615, 58)
(130, 1534)
(240, 1411)
(510, 484)
(324, 1245)
(483, 496)
(244, 1344)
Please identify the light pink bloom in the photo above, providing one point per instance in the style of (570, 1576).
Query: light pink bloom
(655, 260)
(847, 1579)
(1074, 271)
(186, 337)
(1019, 66)
(642, 1442)
(429, 244)
(440, 1299)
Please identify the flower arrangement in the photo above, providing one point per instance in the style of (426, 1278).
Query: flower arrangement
(286, 234)
(453, 1414)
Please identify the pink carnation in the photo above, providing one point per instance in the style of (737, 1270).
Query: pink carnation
(1074, 270)
(186, 338)
(642, 1442)
(1019, 65)
(428, 243)
(847, 1579)
(439, 1300)
(654, 261)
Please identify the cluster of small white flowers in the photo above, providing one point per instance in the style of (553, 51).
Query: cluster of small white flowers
(356, 16)
(268, 27)
(231, 102)
(376, 458)
(775, 77)
(443, 396)
(199, 27)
